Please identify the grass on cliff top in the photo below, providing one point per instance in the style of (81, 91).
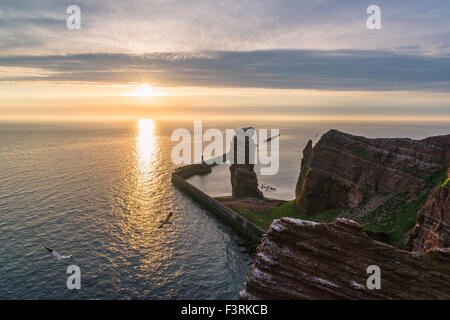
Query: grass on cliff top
(288, 209)
(437, 179)
(265, 218)
(396, 217)
(360, 153)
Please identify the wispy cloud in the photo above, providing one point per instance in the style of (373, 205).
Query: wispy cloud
(37, 27)
(285, 69)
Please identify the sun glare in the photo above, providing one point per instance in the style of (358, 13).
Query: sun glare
(146, 144)
(145, 90)
(146, 125)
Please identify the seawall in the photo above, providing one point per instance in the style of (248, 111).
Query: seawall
(230, 217)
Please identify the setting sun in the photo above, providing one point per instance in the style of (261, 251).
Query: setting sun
(245, 151)
(145, 90)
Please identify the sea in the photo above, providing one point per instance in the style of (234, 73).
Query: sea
(98, 190)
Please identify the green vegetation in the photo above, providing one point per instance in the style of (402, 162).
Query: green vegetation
(396, 217)
(326, 216)
(437, 178)
(288, 209)
(362, 154)
(265, 218)
(305, 171)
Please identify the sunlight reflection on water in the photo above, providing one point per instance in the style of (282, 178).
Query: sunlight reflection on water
(99, 194)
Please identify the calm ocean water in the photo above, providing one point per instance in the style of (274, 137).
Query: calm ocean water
(99, 190)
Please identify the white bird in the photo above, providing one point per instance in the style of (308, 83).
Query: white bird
(57, 255)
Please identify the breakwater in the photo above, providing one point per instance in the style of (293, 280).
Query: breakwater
(239, 223)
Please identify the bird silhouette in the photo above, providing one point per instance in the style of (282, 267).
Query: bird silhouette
(166, 221)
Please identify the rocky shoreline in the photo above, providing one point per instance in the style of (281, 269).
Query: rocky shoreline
(359, 202)
(299, 259)
(398, 189)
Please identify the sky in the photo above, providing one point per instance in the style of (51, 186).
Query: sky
(203, 59)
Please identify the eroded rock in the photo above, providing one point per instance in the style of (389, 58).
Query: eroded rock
(432, 229)
(244, 181)
(305, 260)
(342, 170)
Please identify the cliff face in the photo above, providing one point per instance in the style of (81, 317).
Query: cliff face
(382, 183)
(305, 260)
(244, 181)
(432, 229)
(342, 170)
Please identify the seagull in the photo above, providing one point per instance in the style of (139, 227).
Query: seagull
(166, 221)
(57, 255)
(271, 138)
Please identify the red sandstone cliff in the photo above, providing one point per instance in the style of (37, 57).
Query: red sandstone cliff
(432, 229)
(305, 260)
(244, 181)
(342, 170)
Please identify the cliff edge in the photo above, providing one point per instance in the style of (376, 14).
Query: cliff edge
(432, 229)
(343, 170)
(300, 259)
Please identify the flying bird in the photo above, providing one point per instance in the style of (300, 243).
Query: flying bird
(271, 138)
(166, 221)
(57, 255)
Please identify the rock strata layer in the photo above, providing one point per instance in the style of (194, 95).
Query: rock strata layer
(343, 170)
(432, 229)
(305, 260)
(244, 181)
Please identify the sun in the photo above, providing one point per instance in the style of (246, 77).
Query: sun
(145, 91)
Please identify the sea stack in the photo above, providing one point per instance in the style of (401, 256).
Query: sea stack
(381, 182)
(244, 181)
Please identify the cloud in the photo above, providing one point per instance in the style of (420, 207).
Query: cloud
(284, 69)
(139, 26)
